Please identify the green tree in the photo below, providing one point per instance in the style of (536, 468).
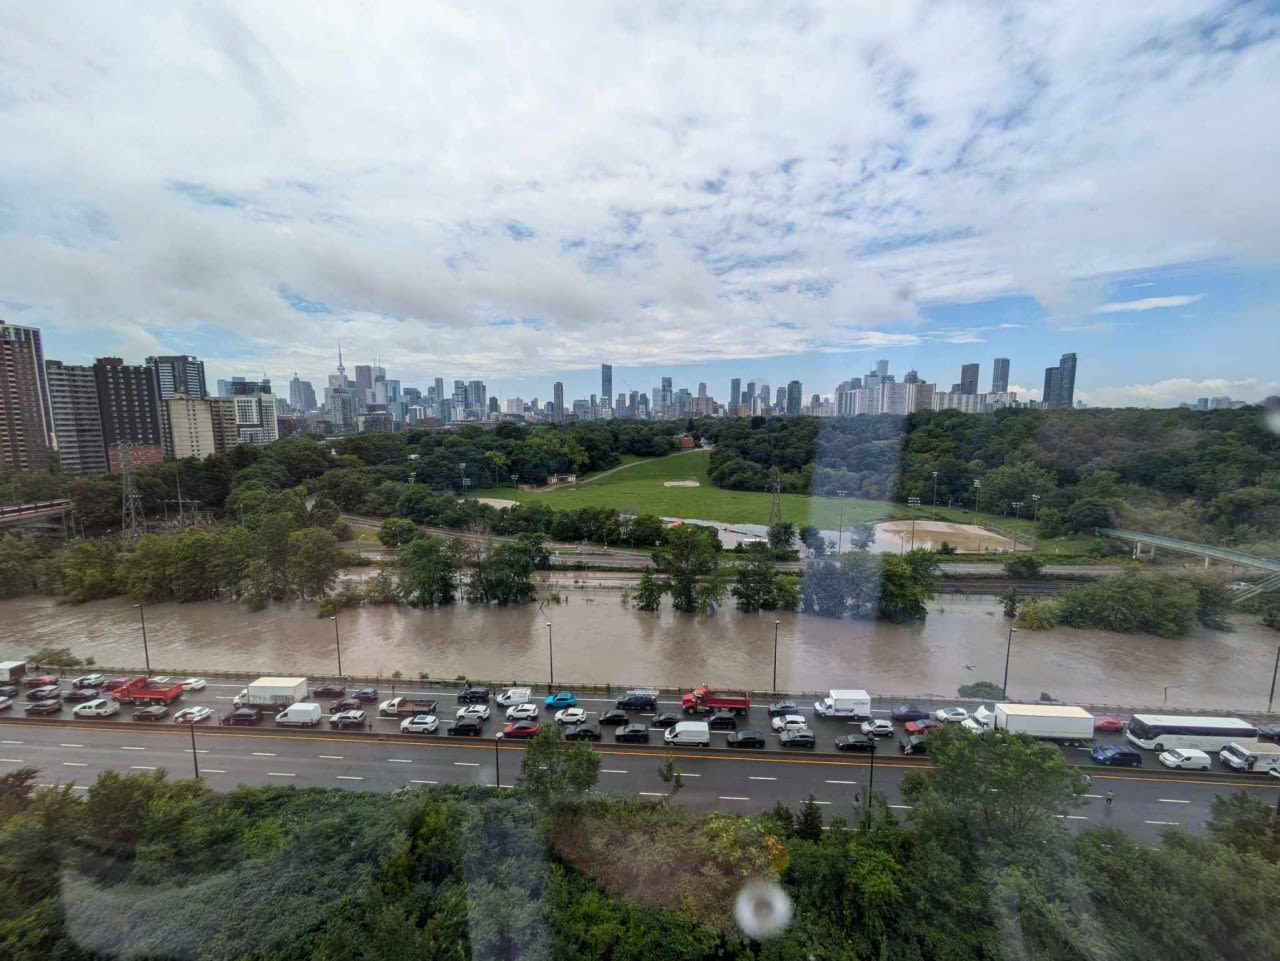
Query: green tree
(1271, 616)
(648, 595)
(670, 774)
(987, 690)
(24, 566)
(1152, 602)
(646, 530)
(59, 657)
(809, 823)
(859, 536)
(1084, 516)
(906, 586)
(1023, 567)
(428, 569)
(535, 542)
(553, 770)
(812, 538)
(190, 565)
(1246, 824)
(782, 535)
(273, 532)
(143, 571)
(324, 513)
(1010, 600)
(689, 554)
(314, 562)
(786, 591)
(503, 575)
(89, 568)
(396, 532)
(755, 585)
(1037, 614)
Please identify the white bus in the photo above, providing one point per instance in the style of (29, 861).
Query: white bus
(1163, 732)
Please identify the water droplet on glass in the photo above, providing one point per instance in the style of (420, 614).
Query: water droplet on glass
(762, 909)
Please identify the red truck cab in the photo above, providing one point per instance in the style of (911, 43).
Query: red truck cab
(703, 700)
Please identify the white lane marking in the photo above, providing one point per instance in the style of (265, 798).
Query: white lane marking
(70, 745)
(611, 770)
(467, 763)
(349, 777)
(1071, 817)
(199, 750)
(75, 763)
(399, 760)
(12, 760)
(1174, 800)
(262, 754)
(11, 742)
(733, 797)
(142, 767)
(687, 774)
(842, 782)
(424, 782)
(213, 770)
(755, 777)
(821, 802)
(653, 794)
(79, 787)
(1170, 823)
(280, 774)
(130, 747)
(330, 757)
(225, 697)
(901, 807)
(1098, 796)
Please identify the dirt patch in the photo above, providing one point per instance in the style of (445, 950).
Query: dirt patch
(968, 538)
(497, 502)
(685, 483)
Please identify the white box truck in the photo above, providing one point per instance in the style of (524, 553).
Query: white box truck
(689, 734)
(851, 704)
(299, 715)
(12, 671)
(1252, 757)
(1048, 722)
(272, 692)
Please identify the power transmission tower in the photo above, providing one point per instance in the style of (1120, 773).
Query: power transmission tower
(775, 508)
(132, 524)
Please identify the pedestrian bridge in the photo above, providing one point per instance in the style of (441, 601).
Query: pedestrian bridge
(1190, 547)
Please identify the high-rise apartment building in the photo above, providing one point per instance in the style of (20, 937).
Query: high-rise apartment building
(179, 375)
(191, 426)
(780, 400)
(476, 398)
(1000, 376)
(969, 379)
(222, 417)
(735, 393)
(302, 396)
(129, 401)
(794, 402)
(31, 335)
(1060, 383)
(364, 387)
(557, 391)
(256, 417)
(606, 383)
(77, 422)
(24, 441)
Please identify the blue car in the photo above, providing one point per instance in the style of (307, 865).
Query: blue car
(1116, 755)
(561, 699)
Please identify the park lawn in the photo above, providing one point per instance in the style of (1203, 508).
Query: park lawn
(959, 516)
(639, 489)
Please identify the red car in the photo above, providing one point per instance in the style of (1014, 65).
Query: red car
(922, 726)
(1107, 723)
(520, 729)
(39, 680)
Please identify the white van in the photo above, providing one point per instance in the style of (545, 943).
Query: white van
(515, 695)
(299, 715)
(689, 734)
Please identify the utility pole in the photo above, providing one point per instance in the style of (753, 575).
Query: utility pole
(840, 532)
(977, 489)
(551, 659)
(1035, 510)
(337, 643)
(935, 494)
(497, 764)
(191, 726)
(1004, 688)
(1017, 511)
(1271, 697)
(776, 625)
(914, 504)
(146, 655)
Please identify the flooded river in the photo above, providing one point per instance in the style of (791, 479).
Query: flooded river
(597, 638)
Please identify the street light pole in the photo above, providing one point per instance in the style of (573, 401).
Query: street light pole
(776, 625)
(1271, 697)
(336, 642)
(977, 489)
(935, 494)
(871, 783)
(146, 655)
(1035, 508)
(551, 659)
(1008, 649)
(497, 764)
(840, 532)
(194, 759)
(914, 504)
(1017, 511)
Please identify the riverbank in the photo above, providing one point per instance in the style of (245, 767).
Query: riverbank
(598, 638)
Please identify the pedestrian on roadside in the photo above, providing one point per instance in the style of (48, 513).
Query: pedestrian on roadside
(857, 799)
(1110, 797)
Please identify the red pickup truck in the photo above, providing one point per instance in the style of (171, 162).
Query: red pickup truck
(703, 700)
(143, 690)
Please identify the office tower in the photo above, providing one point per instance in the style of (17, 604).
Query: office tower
(606, 382)
(77, 422)
(31, 335)
(748, 395)
(129, 401)
(1052, 376)
(1000, 376)
(702, 388)
(969, 379)
(179, 375)
(24, 443)
(683, 401)
(557, 391)
(882, 368)
(1060, 383)
(735, 392)
(248, 388)
(780, 400)
(226, 387)
(439, 389)
(342, 413)
(643, 406)
(593, 400)
(766, 398)
(633, 403)
(190, 426)
(476, 398)
(364, 386)
(793, 397)
(493, 405)
(1202, 403)
(302, 396)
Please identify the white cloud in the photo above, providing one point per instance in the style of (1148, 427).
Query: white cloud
(1177, 390)
(1147, 303)
(668, 184)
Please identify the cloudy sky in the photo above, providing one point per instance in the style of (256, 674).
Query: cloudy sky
(517, 192)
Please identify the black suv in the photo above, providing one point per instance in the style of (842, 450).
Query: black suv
(798, 737)
(153, 713)
(473, 695)
(722, 721)
(666, 719)
(328, 690)
(638, 701)
(855, 742)
(472, 726)
(633, 733)
(746, 739)
(586, 731)
(243, 716)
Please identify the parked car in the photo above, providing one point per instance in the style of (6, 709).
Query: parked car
(915, 744)
(329, 690)
(1186, 758)
(243, 717)
(855, 742)
(192, 715)
(571, 715)
(6, 703)
(723, 721)
(615, 716)
(746, 739)
(1105, 722)
(155, 712)
(90, 680)
(52, 706)
(366, 694)
(9, 690)
(788, 722)
(82, 694)
(632, 734)
(474, 695)
(344, 704)
(908, 712)
(522, 712)
(588, 731)
(922, 726)
(520, 729)
(877, 728)
(1269, 732)
(781, 708)
(420, 724)
(665, 719)
(344, 719)
(39, 680)
(797, 737)
(480, 711)
(465, 726)
(560, 699)
(194, 684)
(951, 715)
(102, 707)
(44, 693)
(1116, 755)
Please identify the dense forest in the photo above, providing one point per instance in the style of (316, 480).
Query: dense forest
(141, 865)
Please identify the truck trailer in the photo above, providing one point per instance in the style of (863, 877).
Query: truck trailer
(1047, 722)
(272, 692)
(11, 672)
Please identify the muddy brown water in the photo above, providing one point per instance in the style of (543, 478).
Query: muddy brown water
(599, 639)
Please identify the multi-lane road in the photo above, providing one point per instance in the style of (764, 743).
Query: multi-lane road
(1146, 800)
